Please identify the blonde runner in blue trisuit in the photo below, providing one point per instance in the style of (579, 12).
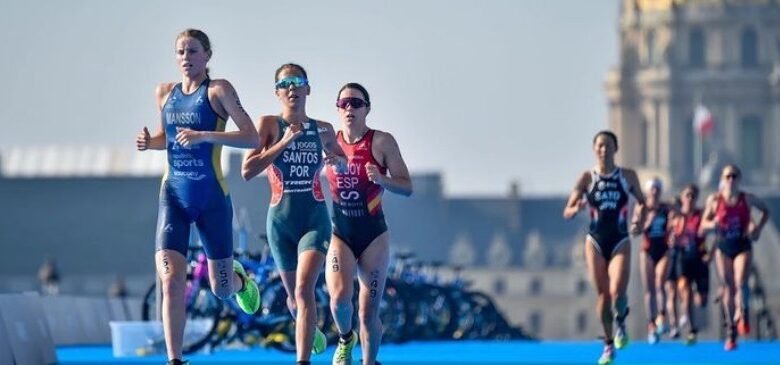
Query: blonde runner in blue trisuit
(192, 130)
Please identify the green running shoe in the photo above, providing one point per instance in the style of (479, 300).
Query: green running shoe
(248, 298)
(607, 356)
(690, 340)
(343, 354)
(621, 336)
(320, 342)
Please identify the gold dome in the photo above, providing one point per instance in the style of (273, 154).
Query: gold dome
(661, 5)
(655, 5)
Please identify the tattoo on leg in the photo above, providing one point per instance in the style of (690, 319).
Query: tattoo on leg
(166, 265)
(223, 276)
(374, 283)
(334, 262)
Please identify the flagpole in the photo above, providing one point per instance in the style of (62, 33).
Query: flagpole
(698, 152)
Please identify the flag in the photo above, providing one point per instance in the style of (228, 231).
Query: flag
(703, 122)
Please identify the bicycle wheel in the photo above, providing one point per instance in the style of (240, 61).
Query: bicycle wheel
(202, 306)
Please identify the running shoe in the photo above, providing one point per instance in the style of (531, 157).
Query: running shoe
(320, 342)
(247, 298)
(343, 354)
(607, 355)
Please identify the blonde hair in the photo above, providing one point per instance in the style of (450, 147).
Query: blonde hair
(200, 36)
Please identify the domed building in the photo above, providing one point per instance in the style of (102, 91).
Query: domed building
(707, 60)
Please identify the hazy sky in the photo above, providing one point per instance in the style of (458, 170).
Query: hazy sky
(483, 91)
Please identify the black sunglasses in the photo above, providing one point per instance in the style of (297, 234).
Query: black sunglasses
(356, 103)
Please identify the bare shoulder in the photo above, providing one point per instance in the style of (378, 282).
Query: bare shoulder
(266, 119)
(220, 85)
(586, 175)
(752, 198)
(161, 93)
(267, 122)
(380, 134)
(164, 89)
(584, 179)
(321, 124)
(629, 173)
(222, 88)
(384, 139)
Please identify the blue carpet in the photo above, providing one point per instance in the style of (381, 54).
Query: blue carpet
(474, 352)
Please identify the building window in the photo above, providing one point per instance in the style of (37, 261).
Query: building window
(749, 48)
(536, 286)
(644, 131)
(656, 147)
(581, 287)
(697, 49)
(499, 286)
(690, 153)
(582, 322)
(650, 47)
(751, 142)
(535, 322)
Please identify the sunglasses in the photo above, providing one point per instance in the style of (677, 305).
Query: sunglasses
(295, 81)
(356, 103)
(732, 176)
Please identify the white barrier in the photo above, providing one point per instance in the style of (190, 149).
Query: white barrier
(6, 354)
(27, 332)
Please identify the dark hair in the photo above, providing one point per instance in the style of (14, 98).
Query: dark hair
(201, 37)
(734, 168)
(358, 87)
(693, 188)
(290, 65)
(608, 134)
